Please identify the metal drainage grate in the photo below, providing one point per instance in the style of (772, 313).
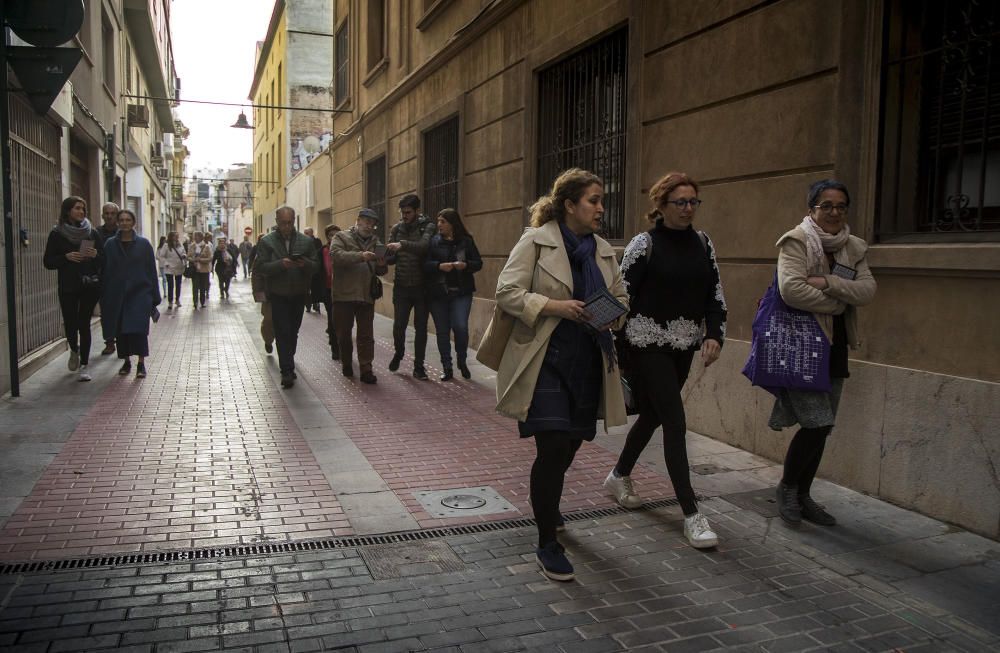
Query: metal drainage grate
(305, 546)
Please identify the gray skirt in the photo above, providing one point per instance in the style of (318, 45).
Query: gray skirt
(807, 409)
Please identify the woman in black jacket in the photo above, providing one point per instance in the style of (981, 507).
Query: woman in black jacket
(75, 250)
(452, 259)
(676, 308)
(224, 264)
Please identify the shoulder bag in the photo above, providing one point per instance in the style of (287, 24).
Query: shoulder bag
(494, 341)
(788, 348)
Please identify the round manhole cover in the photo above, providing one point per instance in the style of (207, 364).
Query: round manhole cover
(463, 501)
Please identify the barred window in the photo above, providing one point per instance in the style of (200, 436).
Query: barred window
(375, 191)
(940, 158)
(581, 122)
(340, 84)
(441, 167)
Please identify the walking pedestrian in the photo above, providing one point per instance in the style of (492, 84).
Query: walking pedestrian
(407, 248)
(200, 256)
(172, 260)
(317, 290)
(356, 269)
(452, 259)
(258, 286)
(822, 269)
(287, 260)
(76, 251)
(159, 266)
(108, 228)
(225, 266)
(676, 308)
(557, 373)
(331, 330)
(245, 247)
(130, 293)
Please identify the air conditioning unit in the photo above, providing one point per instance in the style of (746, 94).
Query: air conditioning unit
(138, 115)
(163, 173)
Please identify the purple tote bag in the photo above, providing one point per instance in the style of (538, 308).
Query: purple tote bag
(788, 349)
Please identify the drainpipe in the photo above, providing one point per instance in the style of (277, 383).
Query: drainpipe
(8, 222)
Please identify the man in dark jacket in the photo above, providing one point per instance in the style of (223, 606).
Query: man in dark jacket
(408, 242)
(287, 260)
(318, 285)
(108, 228)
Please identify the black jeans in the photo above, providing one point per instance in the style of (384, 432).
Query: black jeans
(331, 329)
(224, 280)
(405, 299)
(199, 288)
(174, 288)
(657, 379)
(554, 454)
(805, 452)
(286, 315)
(77, 310)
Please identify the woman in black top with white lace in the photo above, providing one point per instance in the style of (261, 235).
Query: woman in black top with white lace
(676, 308)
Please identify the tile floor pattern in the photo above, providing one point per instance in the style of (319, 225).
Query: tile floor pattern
(202, 452)
(639, 587)
(429, 435)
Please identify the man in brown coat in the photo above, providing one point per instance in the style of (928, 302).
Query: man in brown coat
(355, 265)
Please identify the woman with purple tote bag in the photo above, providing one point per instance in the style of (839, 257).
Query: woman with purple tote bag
(822, 271)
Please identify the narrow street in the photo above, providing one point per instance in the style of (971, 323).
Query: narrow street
(395, 517)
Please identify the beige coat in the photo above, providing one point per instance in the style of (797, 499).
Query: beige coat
(201, 255)
(352, 277)
(840, 296)
(538, 270)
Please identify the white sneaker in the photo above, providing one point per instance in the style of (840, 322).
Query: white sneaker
(74, 360)
(84, 374)
(699, 533)
(622, 490)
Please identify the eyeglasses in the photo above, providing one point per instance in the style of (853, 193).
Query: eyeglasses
(681, 204)
(828, 207)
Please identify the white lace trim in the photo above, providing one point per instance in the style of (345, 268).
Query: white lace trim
(680, 334)
(719, 297)
(636, 248)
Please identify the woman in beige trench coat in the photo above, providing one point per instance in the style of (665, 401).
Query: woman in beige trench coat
(558, 375)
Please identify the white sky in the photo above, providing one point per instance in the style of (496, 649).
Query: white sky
(214, 43)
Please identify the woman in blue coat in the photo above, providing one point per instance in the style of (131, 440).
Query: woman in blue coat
(131, 291)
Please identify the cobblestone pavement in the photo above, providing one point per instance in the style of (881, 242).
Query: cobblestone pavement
(208, 451)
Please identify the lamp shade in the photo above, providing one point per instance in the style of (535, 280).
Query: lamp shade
(241, 122)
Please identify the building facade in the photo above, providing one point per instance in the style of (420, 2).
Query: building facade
(478, 105)
(88, 145)
(294, 67)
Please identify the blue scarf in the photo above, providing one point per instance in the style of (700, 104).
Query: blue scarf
(587, 280)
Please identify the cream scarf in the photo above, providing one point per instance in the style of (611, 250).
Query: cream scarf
(819, 243)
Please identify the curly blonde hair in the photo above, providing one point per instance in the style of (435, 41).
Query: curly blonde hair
(570, 185)
(667, 184)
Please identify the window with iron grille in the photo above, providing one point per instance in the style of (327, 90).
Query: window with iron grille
(375, 190)
(340, 83)
(441, 168)
(581, 122)
(940, 158)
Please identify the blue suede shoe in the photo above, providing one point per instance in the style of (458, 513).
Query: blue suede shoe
(552, 559)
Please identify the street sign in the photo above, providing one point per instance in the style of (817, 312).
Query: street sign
(248, 230)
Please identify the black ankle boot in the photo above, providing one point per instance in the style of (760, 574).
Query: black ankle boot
(447, 376)
(788, 504)
(464, 369)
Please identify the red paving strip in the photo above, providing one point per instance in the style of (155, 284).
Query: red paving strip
(203, 452)
(428, 435)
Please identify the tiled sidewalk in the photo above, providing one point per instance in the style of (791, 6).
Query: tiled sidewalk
(202, 452)
(429, 435)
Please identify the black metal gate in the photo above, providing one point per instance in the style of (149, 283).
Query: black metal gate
(441, 168)
(34, 147)
(941, 130)
(582, 121)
